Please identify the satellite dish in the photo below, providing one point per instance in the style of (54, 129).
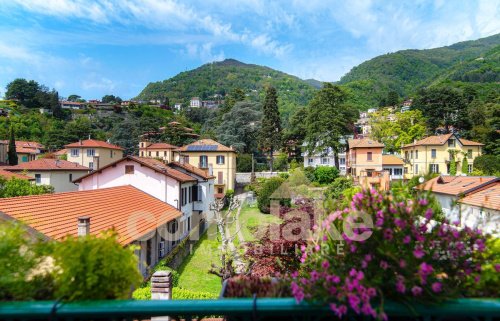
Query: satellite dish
(421, 179)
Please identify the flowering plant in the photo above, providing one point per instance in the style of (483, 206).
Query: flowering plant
(396, 252)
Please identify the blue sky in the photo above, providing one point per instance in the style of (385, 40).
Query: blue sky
(93, 48)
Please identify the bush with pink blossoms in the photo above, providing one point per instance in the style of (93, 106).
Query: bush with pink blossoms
(407, 256)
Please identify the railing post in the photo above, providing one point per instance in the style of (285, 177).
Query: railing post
(161, 289)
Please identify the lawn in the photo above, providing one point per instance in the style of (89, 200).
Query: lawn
(251, 219)
(193, 272)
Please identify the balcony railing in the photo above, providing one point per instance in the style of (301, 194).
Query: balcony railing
(237, 309)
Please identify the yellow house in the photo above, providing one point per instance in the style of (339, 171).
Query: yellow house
(217, 159)
(433, 154)
(161, 151)
(93, 154)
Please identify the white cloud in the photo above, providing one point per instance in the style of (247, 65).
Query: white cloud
(265, 44)
(98, 82)
(204, 52)
(13, 52)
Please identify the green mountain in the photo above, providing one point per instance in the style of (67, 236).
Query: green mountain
(224, 76)
(407, 70)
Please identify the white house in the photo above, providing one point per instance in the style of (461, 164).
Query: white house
(482, 209)
(55, 172)
(195, 102)
(155, 178)
(325, 158)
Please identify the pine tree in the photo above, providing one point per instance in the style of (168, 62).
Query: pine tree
(270, 132)
(12, 154)
(453, 166)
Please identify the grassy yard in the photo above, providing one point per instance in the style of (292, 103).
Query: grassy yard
(194, 270)
(251, 219)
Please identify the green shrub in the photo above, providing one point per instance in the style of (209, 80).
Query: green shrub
(284, 175)
(19, 187)
(309, 172)
(230, 193)
(184, 294)
(325, 174)
(488, 164)
(142, 293)
(465, 166)
(268, 188)
(95, 268)
(244, 163)
(280, 163)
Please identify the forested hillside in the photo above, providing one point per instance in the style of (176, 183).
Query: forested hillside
(407, 70)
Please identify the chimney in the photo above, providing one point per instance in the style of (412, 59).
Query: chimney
(83, 225)
(57, 162)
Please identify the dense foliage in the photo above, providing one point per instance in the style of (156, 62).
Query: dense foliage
(81, 268)
(19, 187)
(270, 131)
(487, 165)
(268, 188)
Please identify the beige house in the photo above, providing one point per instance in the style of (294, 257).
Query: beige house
(433, 154)
(218, 160)
(26, 151)
(161, 151)
(92, 153)
(48, 171)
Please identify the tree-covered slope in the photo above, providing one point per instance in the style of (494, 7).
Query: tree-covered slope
(407, 70)
(222, 77)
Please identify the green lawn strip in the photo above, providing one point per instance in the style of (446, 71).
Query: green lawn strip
(193, 272)
(251, 218)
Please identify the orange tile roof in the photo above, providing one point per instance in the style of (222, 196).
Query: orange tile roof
(93, 143)
(47, 164)
(131, 212)
(27, 144)
(193, 169)
(456, 185)
(364, 143)
(486, 198)
(9, 175)
(26, 147)
(391, 160)
(159, 146)
(61, 152)
(22, 150)
(441, 140)
(202, 142)
(151, 163)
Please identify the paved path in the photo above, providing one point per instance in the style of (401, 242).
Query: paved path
(237, 260)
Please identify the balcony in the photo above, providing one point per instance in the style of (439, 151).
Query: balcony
(237, 309)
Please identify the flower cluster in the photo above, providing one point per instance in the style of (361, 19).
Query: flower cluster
(407, 256)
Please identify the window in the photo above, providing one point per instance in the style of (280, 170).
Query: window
(469, 168)
(324, 160)
(38, 178)
(129, 169)
(406, 170)
(190, 193)
(406, 155)
(157, 154)
(411, 154)
(342, 161)
(434, 168)
(369, 156)
(220, 160)
(91, 165)
(189, 224)
(183, 196)
(203, 161)
(90, 152)
(469, 153)
(165, 153)
(433, 153)
(398, 172)
(416, 154)
(416, 169)
(195, 193)
(310, 161)
(71, 177)
(149, 154)
(75, 152)
(451, 143)
(220, 190)
(24, 159)
(142, 153)
(110, 154)
(186, 159)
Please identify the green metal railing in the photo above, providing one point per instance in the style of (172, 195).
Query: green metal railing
(248, 309)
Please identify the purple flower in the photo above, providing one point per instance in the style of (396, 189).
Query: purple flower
(423, 202)
(426, 269)
(379, 222)
(388, 234)
(339, 311)
(406, 239)
(418, 253)
(437, 287)
(325, 265)
(400, 223)
(353, 273)
(384, 265)
(497, 268)
(354, 302)
(368, 257)
(400, 287)
(480, 245)
(371, 292)
(314, 276)
(428, 213)
(402, 263)
(416, 290)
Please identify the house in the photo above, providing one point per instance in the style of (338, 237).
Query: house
(138, 218)
(394, 165)
(26, 151)
(481, 209)
(364, 155)
(325, 159)
(93, 154)
(433, 154)
(155, 178)
(8, 175)
(61, 154)
(177, 106)
(215, 158)
(161, 151)
(195, 102)
(55, 172)
(449, 190)
(71, 105)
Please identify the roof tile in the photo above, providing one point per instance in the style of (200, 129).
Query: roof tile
(93, 143)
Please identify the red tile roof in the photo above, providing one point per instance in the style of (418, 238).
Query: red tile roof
(391, 160)
(204, 142)
(93, 143)
(26, 147)
(441, 140)
(456, 185)
(9, 175)
(131, 212)
(47, 164)
(364, 143)
(61, 152)
(159, 146)
(151, 163)
(192, 169)
(485, 198)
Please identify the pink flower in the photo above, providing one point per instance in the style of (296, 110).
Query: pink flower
(416, 290)
(402, 263)
(406, 239)
(428, 213)
(384, 265)
(436, 287)
(388, 234)
(325, 265)
(423, 202)
(418, 253)
(497, 268)
(400, 223)
(400, 287)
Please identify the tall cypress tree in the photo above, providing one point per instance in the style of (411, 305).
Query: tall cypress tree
(270, 132)
(12, 154)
